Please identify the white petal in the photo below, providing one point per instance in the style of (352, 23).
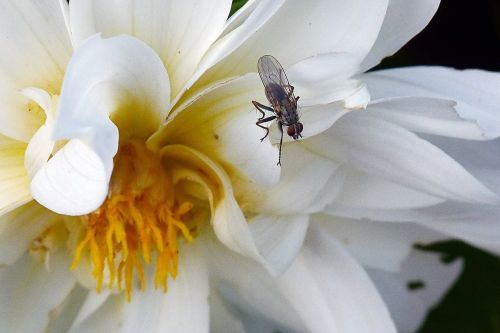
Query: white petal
(403, 20)
(250, 293)
(221, 319)
(19, 228)
(409, 307)
(241, 15)
(475, 224)
(426, 115)
(279, 239)
(14, 180)
(480, 157)
(326, 78)
(65, 314)
(324, 291)
(227, 220)
(92, 303)
(362, 190)
(29, 292)
(380, 245)
(120, 78)
(36, 49)
(73, 182)
(303, 182)
(299, 30)
(180, 31)
(382, 149)
(39, 150)
(42, 98)
(41, 144)
(220, 122)
(183, 309)
(238, 29)
(107, 318)
(477, 92)
(331, 292)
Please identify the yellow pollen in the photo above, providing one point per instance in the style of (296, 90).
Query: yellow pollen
(140, 222)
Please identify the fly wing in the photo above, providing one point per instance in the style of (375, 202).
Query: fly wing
(276, 84)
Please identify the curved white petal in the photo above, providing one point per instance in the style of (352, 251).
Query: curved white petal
(14, 180)
(109, 83)
(36, 49)
(326, 78)
(184, 308)
(41, 144)
(241, 15)
(180, 31)
(42, 98)
(39, 149)
(73, 182)
(279, 239)
(220, 122)
(19, 228)
(426, 115)
(228, 220)
(382, 149)
(331, 292)
(430, 277)
(476, 92)
(121, 78)
(28, 279)
(298, 30)
(403, 20)
(380, 245)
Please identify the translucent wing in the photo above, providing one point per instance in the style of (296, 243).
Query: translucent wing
(278, 89)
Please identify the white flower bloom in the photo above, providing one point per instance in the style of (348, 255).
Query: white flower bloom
(146, 166)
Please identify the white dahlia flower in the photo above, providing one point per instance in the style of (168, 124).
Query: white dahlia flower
(157, 208)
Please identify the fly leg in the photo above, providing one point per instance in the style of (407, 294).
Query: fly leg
(261, 108)
(280, 126)
(264, 120)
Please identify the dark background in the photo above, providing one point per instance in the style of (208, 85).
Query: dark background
(462, 34)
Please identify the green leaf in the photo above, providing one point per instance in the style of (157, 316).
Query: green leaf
(237, 4)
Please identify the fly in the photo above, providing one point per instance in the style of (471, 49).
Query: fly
(279, 93)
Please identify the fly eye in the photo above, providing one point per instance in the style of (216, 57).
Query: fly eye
(295, 130)
(300, 127)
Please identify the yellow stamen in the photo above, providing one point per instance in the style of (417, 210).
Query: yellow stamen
(140, 218)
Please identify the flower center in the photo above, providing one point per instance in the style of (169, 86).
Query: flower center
(141, 221)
